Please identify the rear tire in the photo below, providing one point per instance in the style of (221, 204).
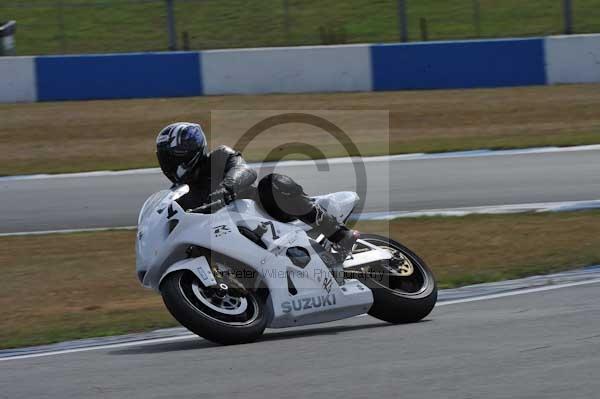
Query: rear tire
(400, 299)
(179, 296)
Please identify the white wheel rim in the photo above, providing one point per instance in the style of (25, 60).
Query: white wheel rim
(230, 305)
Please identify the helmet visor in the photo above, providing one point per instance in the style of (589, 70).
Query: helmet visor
(179, 150)
(178, 168)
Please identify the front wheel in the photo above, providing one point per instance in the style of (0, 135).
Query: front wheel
(404, 288)
(222, 314)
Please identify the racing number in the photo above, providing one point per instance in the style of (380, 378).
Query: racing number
(269, 223)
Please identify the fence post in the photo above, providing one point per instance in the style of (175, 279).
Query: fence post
(568, 16)
(477, 17)
(286, 20)
(185, 38)
(171, 25)
(61, 27)
(402, 20)
(424, 30)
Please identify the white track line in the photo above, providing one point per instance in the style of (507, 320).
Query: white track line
(478, 210)
(65, 231)
(331, 161)
(518, 292)
(192, 336)
(100, 347)
(481, 210)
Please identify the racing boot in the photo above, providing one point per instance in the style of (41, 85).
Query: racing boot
(342, 237)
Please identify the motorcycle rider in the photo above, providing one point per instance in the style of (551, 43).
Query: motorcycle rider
(223, 174)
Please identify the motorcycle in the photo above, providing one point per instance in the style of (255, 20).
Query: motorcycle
(228, 271)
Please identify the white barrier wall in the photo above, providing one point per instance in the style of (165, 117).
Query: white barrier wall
(17, 79)
(360, 68)
(287, 70)
(573, 59)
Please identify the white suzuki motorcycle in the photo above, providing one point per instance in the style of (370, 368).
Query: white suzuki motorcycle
(226, 272)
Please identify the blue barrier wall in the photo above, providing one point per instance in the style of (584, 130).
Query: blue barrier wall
(118, 76)
(460, 64)
(430, 65)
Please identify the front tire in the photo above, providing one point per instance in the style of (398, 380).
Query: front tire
(233, 320)
(399, 297)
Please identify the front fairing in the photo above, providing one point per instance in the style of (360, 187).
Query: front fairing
(165, 231)
(152, 225)
(161, 200)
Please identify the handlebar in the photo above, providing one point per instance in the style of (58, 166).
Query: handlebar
(208, 208)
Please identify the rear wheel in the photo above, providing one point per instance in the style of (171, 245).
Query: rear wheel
(226, 314)
(404, 288)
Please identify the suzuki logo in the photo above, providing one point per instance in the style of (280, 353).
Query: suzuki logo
(308, 303)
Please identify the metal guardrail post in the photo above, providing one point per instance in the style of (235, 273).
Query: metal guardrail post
(286, 21)
(568, 16)
(61, 26)
(402, 20)
(477, 17)
(7, 38)
(424, 29)
(171, 25)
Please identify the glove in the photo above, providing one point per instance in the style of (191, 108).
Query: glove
(221, 194)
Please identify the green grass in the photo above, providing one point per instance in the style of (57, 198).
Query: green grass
(72, 136)
(76, 26)
(71, 286)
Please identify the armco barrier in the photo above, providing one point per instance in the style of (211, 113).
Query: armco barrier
(573, 59)
(431, 65)
(137, 75)
(460, 64)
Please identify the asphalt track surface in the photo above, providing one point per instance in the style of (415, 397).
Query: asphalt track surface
(539, 345)
(399, 185)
